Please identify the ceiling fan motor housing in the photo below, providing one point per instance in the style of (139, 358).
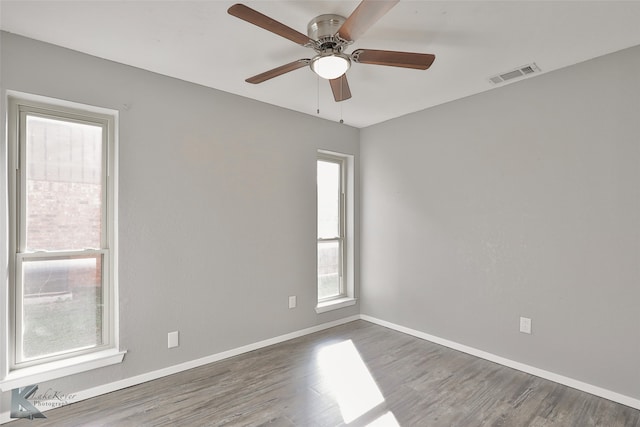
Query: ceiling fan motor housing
(323, 29)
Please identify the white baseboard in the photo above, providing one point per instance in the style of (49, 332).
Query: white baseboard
(142, 378)
(139, 379)
(560, 379)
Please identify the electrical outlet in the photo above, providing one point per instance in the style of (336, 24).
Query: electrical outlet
(173, 339)
(525, 325)
(292, 301)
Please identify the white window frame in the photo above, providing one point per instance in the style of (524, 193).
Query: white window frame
(346, 238)
(17, 372)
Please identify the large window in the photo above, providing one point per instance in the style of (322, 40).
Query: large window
(335, 251)
(61, 212)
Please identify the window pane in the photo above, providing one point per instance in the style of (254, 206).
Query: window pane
(62, 305)
(328, 200)
(64, 185)
(328, 269)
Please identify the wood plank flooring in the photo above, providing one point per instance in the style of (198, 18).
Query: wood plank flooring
(384, 378)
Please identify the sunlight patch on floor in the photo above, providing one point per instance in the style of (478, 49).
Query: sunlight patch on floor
(350, 381)
(386, 420)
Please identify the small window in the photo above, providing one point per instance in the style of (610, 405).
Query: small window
(335, 174)
(62, 232)
(331, 227)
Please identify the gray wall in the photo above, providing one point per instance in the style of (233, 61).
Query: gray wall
(521, 201)
(217, 207)
(524, 200)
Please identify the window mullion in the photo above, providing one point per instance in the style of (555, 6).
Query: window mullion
(44, 255)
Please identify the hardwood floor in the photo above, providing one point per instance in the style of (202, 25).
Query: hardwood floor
(384, 378)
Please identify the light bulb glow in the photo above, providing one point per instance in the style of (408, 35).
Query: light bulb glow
(330, 66)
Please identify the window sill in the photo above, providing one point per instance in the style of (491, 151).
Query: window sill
(335, 304)
(60, 368)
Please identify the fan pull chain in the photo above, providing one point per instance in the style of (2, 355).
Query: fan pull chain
(318, 96)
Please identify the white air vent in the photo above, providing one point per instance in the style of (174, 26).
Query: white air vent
(514, 74)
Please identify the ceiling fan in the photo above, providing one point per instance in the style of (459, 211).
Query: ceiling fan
(329, 35)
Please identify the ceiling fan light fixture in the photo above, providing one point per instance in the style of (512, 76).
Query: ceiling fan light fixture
(330, 65)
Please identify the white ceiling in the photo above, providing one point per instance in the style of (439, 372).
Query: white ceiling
(198, 41)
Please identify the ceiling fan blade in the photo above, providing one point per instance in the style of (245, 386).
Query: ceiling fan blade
(340, 88)
(278, 71)
(418, 61)
(263, 21)
(364, 16)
